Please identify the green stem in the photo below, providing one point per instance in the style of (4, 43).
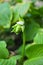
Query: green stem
(23, 51)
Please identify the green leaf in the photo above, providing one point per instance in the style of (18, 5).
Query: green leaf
(34, 61)
(3, 43)
(10, 61)
(31, 28)
(39, 37)
(41, 11)
(5, 15)
(34, 50)
(18, 0)
(3, 50)
(20, 10)
(19, 50)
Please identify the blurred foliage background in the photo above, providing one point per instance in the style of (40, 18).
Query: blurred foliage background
(36, 15)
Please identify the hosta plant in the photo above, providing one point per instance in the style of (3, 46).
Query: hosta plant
(25, 19)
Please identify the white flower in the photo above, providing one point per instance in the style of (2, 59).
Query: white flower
(20, 22)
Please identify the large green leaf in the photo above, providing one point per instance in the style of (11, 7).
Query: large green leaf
(34, 50)
(31, 28)
(3, 50)
(34, 61)
(5, 15)
(20, 10)
(10, 61)
(39, 37)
